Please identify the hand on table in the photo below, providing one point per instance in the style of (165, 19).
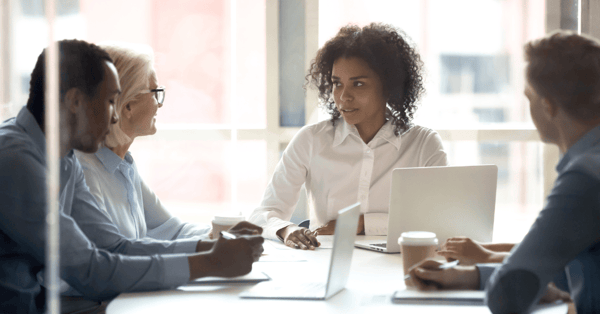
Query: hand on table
(329, 228)
(468, 252)
(554, 294)
(245, 228)
(240, 229)
(227, 258)
(426, 275)
(299, 237)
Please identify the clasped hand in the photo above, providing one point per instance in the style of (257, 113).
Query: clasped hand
(228, 258)
(426, 275)
(302, 238)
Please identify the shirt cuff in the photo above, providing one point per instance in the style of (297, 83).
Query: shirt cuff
(274, 225)
(376, 224)
(485, 272)
(177, 270)
(186, 246)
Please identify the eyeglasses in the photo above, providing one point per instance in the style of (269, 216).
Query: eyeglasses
(159, 93)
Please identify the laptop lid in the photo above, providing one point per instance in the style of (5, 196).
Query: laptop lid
(450, 201)
(343, 246)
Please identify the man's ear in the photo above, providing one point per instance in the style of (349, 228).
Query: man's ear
(550, 108)
(74, 99)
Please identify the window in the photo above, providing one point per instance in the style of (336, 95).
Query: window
(211, 56)
(225, 108)
(474, 83)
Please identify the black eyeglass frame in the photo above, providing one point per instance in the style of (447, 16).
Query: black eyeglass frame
(159, 93)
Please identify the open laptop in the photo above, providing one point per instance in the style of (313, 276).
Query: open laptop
(450, 201)
(339, 267)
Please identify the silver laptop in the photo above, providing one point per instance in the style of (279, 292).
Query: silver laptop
(450, 201)
(339, 267)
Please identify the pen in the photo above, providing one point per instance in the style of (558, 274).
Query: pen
(227, 235)
(443, 266)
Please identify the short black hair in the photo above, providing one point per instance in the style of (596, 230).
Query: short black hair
(387, 51)
(80, 66)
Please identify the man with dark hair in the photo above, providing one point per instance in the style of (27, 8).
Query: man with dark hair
(563, 88)
(95, 259)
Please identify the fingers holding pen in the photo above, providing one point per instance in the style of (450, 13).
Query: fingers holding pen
(300, 238)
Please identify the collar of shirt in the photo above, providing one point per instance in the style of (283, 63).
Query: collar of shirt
(588, 141)
(110, 160)
(386, 132)
(26, 120)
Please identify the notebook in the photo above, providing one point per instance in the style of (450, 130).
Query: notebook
(445, 297)
(450, 201)
(339, 267)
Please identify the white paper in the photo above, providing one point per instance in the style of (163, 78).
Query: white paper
(253, 276)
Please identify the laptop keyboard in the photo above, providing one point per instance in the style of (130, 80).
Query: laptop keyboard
(381, 245)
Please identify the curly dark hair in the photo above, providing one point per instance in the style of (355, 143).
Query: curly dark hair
(387, 52)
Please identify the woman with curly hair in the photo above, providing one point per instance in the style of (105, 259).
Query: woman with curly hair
(371, 78)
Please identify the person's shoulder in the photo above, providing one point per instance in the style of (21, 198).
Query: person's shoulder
(320, 127)
(88, 161)
(418, 130)
(421, 134)
(17, 148)
(587, 163)
(22, 165)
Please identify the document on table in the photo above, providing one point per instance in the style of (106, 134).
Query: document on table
(277, 252)
(326, 241)
(463, 297)
(253, 276)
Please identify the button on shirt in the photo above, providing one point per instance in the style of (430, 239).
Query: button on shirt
(132, 206)
(95, 258)
(564, 238)
(338, 169)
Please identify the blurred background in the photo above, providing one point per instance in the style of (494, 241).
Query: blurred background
(234, 73)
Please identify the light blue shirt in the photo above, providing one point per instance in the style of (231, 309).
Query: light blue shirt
(132, 206)
(565, 238)
(95, 258)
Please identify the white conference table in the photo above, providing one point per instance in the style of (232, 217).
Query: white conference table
(373, 279)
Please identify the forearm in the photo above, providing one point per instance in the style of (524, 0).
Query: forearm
(499, 247)
(497, 257)
(205, 245)
(564, 228)
(200, 266)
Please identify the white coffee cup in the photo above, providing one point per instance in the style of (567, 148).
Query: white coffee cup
(417, 246)
(223, 223)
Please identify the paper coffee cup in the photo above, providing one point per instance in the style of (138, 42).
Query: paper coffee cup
(417, 246)
(223, 223)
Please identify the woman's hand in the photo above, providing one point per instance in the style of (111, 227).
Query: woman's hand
(299, 237)
(469, 252)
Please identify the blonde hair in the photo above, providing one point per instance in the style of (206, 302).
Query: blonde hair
(134, 63)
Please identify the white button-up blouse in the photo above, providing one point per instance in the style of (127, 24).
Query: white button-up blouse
(339, 169)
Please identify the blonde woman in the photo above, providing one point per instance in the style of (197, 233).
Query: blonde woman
(111, 173)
